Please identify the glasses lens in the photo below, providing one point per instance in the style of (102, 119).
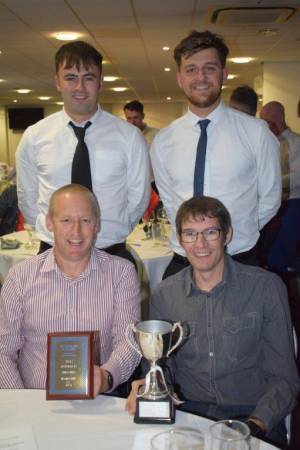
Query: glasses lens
(211, 234)
(189, 236)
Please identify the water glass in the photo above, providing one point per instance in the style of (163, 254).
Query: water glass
(178, 439)
(229, 435)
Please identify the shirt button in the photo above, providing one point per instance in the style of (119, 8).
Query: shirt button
(211, 354)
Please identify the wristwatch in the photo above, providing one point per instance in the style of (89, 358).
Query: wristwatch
(110, 380)
(255, 429)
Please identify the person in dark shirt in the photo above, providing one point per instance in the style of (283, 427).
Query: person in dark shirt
(8, 210)
(237, 360)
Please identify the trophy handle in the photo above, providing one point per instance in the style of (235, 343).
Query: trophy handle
(179, 326)
(131, 327)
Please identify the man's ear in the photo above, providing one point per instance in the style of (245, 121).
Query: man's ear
(49, 223)
(228, 236)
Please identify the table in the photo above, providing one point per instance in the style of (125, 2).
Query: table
(96, 424)
(154, 254)
(10, 257)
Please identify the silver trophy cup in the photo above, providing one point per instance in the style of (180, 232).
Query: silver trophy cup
(154, 340)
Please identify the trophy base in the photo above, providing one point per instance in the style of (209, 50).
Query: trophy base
(155, 411)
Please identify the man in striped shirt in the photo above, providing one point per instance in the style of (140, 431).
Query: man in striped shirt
(72, 287)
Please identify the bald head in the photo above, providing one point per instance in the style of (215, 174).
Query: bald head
(273, 113)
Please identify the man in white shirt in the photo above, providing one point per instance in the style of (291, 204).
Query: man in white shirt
(118, 154)
(242, 166)
(134, 113)
(285, 248)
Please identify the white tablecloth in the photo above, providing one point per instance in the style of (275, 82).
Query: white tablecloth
(10, 257)
(99, 424)
(154, 254)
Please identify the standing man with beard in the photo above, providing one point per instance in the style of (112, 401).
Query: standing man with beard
(217, 151)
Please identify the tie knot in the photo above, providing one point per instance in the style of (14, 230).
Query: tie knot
(203, 124)
(80, 131)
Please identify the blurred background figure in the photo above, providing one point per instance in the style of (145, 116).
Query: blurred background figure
(284, 251)
(134, 113)
(244, 99)
(9, 211)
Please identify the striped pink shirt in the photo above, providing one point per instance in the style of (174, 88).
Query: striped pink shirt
(37, 298)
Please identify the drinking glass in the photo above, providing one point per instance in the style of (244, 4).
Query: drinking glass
(178, 439)
(229, 435)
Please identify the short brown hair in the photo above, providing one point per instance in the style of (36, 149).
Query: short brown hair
(76, 188)
(197, 41)
(201, 207)
(77, 53)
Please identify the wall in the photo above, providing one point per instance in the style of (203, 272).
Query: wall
(281, 83)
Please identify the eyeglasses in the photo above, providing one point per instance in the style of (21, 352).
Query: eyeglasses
(209, 234)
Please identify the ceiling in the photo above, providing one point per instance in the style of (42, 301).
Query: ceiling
(130, 34)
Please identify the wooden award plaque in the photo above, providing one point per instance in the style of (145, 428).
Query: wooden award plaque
(70, 366)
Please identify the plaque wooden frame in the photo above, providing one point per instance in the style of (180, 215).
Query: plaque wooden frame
(70, 353)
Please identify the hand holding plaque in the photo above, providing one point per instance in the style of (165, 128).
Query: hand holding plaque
(70, 366)
(154, 337)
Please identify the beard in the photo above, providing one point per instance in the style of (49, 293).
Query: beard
(206, 102)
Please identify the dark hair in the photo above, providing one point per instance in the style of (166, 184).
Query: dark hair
(77, 53)
(247, 96)
(201, 207)
(197, 41)
(135, 105)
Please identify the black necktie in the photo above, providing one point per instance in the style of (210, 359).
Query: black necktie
(81, 169)
(200, 159)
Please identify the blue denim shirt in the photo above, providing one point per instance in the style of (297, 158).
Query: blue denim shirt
(238, 348)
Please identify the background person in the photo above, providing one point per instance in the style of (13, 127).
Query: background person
(244, 99)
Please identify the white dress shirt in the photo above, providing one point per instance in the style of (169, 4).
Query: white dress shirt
(119, 166)
(293, 141)
(242, 169)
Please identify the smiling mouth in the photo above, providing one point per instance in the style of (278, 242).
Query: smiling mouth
(75, 242)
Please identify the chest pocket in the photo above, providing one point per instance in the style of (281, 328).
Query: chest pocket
(240, 335)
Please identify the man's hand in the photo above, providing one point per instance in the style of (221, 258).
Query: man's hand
(100, 380)
(131, 401)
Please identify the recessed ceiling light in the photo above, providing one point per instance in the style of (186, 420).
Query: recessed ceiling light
(224, 87)
(15, 100)
(268, 31)
(110, 78)
(59, 103)
(66, 36)
(169, 98)
(23, 91)
(119, 89)
(167, 69)
(231, 76)
(1, 80)
(166, 48)
(43, 97)
(241, 60)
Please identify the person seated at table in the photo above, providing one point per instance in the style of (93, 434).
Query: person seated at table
(9, 211)
(72, 287)
(237, 360)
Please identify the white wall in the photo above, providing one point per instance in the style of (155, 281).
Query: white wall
(281, 83)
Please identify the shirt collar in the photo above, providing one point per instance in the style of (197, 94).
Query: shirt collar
(50, 265)
(214, 116)
(94, 118)
(230, 278)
